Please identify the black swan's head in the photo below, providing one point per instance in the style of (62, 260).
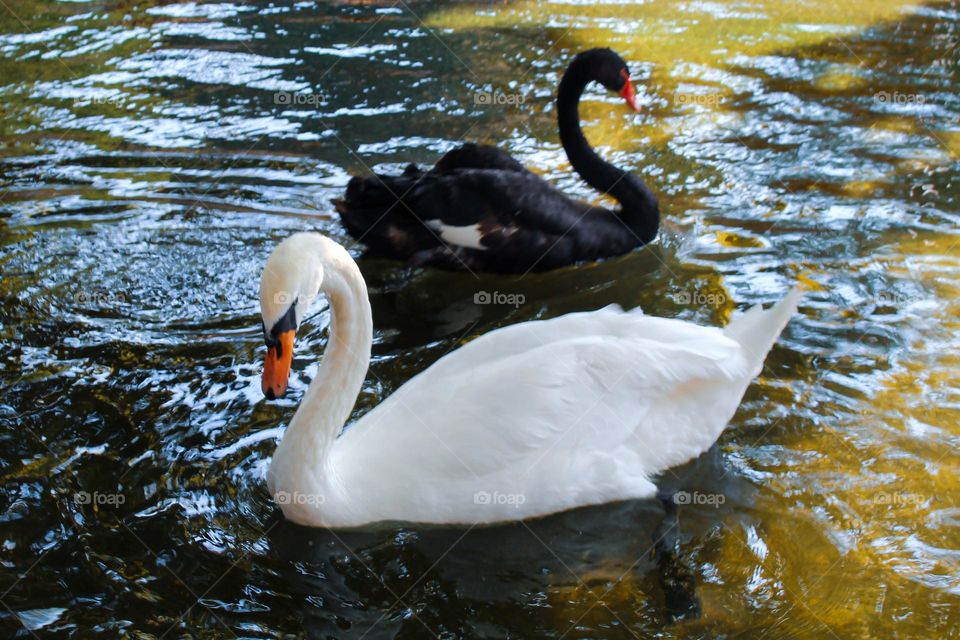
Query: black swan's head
(609, 69)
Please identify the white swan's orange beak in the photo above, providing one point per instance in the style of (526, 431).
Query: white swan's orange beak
(276, 369)
(629, 94)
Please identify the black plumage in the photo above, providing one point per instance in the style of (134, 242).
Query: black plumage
(478, 208)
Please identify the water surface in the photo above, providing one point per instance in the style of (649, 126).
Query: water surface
(153, 152)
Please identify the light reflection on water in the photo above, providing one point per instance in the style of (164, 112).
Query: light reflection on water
(153, 154)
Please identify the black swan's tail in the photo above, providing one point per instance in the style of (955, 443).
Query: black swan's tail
(373, 211)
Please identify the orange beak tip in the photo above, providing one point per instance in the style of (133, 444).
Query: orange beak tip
(276, 367)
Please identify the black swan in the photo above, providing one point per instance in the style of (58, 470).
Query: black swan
(480, 209)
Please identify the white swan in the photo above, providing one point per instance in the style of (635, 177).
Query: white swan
(524, 421)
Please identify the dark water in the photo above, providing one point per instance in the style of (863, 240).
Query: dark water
(152, 153)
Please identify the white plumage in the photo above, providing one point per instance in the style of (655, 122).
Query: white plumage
(524, 421)
(469, 236)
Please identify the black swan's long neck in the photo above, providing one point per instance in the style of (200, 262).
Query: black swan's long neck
(638, 206)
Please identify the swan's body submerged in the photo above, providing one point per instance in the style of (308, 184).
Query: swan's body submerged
(524, 421)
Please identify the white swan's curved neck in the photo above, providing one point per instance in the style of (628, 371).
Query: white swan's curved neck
(301, 459)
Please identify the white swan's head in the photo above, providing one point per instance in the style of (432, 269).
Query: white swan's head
(290, 283)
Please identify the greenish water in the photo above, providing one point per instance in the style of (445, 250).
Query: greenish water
(152, 153)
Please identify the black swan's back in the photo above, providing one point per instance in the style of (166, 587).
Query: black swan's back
(497, 220)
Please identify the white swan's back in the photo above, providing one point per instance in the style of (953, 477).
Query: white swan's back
(548, 415)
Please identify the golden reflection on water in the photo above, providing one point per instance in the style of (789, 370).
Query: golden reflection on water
(669, 34)
(862, 524)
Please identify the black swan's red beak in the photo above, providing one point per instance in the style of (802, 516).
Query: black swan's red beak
(629, 93)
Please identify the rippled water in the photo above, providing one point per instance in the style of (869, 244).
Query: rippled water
(152, 153)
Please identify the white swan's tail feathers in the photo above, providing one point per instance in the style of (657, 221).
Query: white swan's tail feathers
(758, 329)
